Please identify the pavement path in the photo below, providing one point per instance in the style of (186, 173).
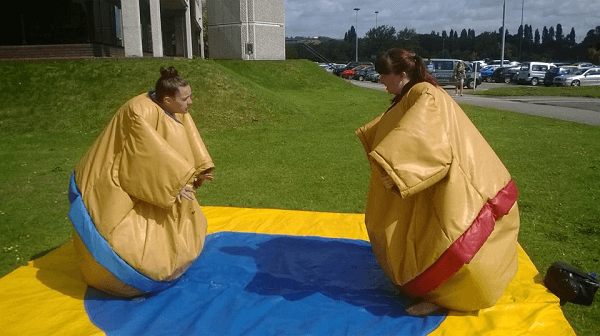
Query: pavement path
(577, 109)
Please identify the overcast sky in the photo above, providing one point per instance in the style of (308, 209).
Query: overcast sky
(333, 18)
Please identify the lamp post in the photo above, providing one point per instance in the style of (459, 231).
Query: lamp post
(356, 31)
(503, 34)
(522, 29)
(376, 12)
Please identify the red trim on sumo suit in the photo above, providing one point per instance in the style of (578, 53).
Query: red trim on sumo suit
(466, 246)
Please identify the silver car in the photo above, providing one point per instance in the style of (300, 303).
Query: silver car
(590, 76)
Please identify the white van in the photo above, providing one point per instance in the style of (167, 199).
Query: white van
(533, 72)
(443, 71)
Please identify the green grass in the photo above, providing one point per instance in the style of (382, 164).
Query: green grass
(281, 134)
(569, 91)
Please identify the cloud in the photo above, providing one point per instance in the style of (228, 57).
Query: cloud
(334, 18)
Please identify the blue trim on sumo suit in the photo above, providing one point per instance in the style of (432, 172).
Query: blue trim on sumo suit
(100, 248)
(266, 284)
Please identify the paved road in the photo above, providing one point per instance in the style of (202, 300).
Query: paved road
(578, 109)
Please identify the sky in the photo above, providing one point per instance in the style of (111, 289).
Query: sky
(333, 18)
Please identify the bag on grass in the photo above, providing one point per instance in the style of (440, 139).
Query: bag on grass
(570, 284)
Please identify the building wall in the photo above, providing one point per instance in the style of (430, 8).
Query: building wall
(237, 29)
(246, 29)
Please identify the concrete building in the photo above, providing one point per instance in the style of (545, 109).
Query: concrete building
(175, 25)
(239, 29)
(246, 29)
(102, 28)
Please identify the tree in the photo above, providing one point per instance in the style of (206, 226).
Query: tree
(591, 43)
(537, 37)
(351, 35)
(528, 33)
(379, 39)
(559, 33)
(431, 45)
(520, 31)
(545, 36)
(444, 38)
(571, 36)
(408, 39)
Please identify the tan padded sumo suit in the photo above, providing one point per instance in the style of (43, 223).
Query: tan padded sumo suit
(447, 232)
(131, 234)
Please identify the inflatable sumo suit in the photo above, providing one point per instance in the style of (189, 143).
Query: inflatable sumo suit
(131, 235)
(447, 231)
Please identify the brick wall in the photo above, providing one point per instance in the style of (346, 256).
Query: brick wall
(67, 51)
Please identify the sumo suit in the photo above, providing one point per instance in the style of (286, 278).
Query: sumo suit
(131, 234)
(447, 231)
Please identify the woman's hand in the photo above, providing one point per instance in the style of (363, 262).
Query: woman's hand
(387, 181)
(201, 178)
(187, 192)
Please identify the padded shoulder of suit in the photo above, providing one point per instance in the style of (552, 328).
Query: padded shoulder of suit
(418, 90)
(421, 88)
(142, 106)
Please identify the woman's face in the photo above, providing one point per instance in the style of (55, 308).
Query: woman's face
(181, 102)
(394, 82)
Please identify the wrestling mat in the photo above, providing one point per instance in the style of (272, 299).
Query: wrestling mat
(265, 272)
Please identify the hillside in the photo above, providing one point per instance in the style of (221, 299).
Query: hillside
(253, 116)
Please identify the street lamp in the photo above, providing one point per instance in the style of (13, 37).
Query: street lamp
(376, 12)
(522, 29)
(503, 34)
(356, 31)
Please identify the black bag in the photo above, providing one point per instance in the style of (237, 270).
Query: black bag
(571, 284)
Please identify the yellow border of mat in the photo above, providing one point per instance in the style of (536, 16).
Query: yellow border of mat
(45, 297)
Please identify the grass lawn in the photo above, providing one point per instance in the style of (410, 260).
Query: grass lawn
(569, 91)
(281, 134)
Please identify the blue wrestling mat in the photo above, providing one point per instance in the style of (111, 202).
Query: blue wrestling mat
(265, 284)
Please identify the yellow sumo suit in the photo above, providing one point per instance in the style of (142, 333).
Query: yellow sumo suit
(447, 231)
(131, 234)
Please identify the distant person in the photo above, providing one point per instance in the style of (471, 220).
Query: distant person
(138, 226)
(441, 209)
(460, 75)
(430, 66)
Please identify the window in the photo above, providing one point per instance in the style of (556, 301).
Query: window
(445, 65)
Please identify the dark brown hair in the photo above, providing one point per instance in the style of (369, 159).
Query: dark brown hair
(398, 60)
(169, 83)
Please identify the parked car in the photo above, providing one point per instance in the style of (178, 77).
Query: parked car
(583, 64)
(589, 76)
(502, 75)
(349, 72)
(350, 66)
(486, 72)
(480, 64)
(329, 67)
(513, 73)
(533, 72)
(361, 73)
(443, 71)
(373, 76)
(557, 71)
(506, 63)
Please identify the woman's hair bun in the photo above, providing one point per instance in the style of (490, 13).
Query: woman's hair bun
(169, 72)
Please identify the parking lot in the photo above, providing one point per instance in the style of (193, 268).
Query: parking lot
(577, 109)
(449, 88)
